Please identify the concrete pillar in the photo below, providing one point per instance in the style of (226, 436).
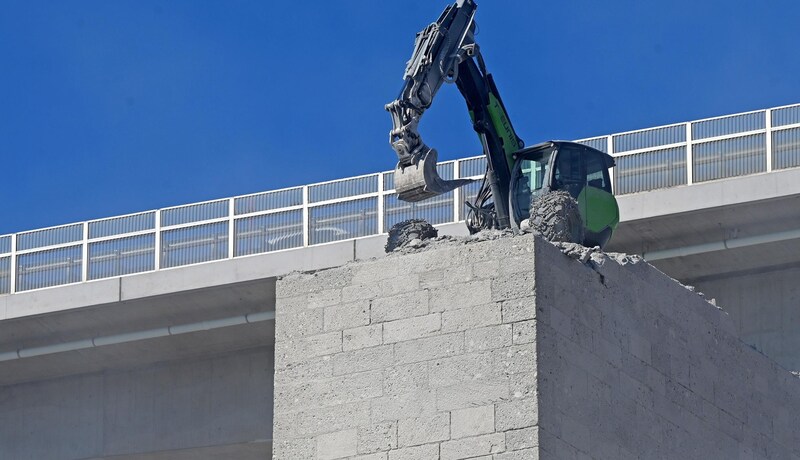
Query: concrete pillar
(510, 349)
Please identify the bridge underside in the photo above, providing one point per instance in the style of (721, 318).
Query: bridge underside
(192, 395)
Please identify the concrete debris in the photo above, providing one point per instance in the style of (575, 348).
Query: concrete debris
(692, 288)
(416, 245)
(408, 242)
(593, 257)
(489, 235)
(577, 251)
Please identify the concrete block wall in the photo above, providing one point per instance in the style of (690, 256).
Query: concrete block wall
(510, 349)
(421, 356)
(634, 365)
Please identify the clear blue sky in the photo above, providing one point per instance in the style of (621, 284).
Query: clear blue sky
(113, 107)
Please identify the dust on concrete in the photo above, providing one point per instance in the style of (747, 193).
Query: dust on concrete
(592, 257)
(417, 245)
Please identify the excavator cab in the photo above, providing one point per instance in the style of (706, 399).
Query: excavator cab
(580, 170)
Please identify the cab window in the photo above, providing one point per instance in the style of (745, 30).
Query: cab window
(569, 173)
(596, 172)
(529, 183)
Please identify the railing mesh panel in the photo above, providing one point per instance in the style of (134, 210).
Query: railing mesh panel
(388, 181)
(728, 125)
(268, 201)
(436, 210)
(786, 148)
(49, 237)
(5, 275)
(121, 225)
(191, 245)
(649, 138)
(472, 167)
(341, 221)
(269, 232)
(122, 256)
(194, 213)
(650, 170)
(52, 267)
(599, 143)
(786, 116)
(343, 188)
(729, 158)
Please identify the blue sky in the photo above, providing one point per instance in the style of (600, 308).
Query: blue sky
(115, 107)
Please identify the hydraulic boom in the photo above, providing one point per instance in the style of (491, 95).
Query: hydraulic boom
(446, 52)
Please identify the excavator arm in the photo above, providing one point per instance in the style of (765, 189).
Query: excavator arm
(446, 52)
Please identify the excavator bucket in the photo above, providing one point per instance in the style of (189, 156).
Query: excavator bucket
(420, 180)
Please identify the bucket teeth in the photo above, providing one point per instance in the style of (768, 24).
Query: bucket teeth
(420, 180)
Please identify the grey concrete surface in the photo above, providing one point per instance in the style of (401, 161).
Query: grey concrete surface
(257, 450)
(711, 194)
(142, 314)
(765, 308)
(136, 354)
(510, 349)
(415, 356)
(754, 283)
(211, 406)
(634, 365)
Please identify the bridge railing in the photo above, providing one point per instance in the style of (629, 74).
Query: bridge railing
(704, 150)
(355, 207)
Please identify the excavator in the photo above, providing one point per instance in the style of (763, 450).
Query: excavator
(518, 181)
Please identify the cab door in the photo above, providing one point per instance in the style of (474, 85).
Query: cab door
(569, 174)
(583, 172)
(602, 211)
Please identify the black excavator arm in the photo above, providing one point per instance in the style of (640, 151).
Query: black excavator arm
(446, 52)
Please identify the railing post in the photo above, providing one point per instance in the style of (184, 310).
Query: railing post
(768, 125)
(158, 239)
(306, 227)
(689, 157)
(85, 253)
(231, 241)
(610, 149)
(381, 210)
(12, 285)
(456, 191)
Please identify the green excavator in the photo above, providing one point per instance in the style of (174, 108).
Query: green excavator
(519, 181)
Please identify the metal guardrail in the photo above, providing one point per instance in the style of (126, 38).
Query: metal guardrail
(664, 156)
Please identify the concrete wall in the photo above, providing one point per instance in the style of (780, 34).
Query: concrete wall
(633, 365)
(421, 356)
(765, 308)
(219, 401)
(509, 349)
